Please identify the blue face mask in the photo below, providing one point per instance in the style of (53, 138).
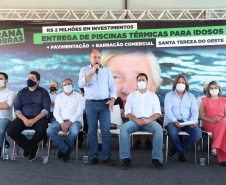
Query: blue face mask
(31, 83)
(204, 92)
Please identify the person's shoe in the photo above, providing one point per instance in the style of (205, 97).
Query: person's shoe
(148, 144)
(181, 158)
(99, 146)
(25, 154)
(94, 161)
(126, 165)
(66, 156)
(172, 152)
(7, 143)
(108, 162)
(137, 144)
(60, 154)
(33, 156)
(157, 164)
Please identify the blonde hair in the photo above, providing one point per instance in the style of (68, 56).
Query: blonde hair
(218, 86)
(153, 63)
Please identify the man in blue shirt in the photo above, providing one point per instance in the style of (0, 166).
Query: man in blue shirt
(31, 107)
(100, 95)
(181, 106)
(53, 88)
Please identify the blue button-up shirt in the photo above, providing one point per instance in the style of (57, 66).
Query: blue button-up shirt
(52, 98)
(32, 103)
(177, 109)
(101, 85)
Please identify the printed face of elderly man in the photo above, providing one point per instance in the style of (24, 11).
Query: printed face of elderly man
(125, 65)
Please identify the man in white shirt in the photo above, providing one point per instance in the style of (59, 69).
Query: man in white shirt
(204, 95)
(68, 110)
(142, 108)
(7, 98)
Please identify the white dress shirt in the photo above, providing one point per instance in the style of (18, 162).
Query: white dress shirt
(142, 105)
(199, 100)
(9, 96)
(68, 107)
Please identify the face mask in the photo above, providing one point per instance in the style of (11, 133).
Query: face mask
(142, 85)
(68, 88)
(2, 83)
(204, 92)
(52, 89)
(31, 83)
(214, 92)
(180, 87)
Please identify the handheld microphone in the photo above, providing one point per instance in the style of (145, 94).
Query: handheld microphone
(97, 70)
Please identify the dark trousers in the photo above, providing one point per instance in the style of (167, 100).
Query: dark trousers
(17, 127)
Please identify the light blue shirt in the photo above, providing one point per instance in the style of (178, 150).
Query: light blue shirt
(177, 109)
(52, 98)
(101, 85)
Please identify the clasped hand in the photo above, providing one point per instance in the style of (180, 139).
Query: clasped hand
(215, 120)
(65, 126)
(142, 121)
(30, 122)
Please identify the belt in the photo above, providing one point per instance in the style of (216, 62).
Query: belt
(99, 100)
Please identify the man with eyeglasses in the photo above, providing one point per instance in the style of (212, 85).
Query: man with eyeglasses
(100, 95)
(67, 111)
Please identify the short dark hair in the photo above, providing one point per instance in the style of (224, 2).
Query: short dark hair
(93, 50)
(142, 74)
(36, 74)
(5, 75)
(82, 90)
(186, 82)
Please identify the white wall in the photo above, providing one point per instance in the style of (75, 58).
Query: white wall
(111, 4)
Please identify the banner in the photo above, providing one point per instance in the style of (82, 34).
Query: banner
(161, 49)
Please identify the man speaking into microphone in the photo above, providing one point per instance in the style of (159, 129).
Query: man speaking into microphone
(100, 95)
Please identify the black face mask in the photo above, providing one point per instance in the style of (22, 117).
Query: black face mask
(31, 83)
(52, 89)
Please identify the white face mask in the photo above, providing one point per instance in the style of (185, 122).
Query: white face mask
(214, 92)
(68, 88)
(180, 87)
(2, 83)
(142, 85)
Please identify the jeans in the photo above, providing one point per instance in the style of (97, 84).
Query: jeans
(55, 127)
(4, 123)
(99, 111)
(130, 127)
(194, 135)
(16, 128)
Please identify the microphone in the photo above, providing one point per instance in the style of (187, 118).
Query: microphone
(97, 70)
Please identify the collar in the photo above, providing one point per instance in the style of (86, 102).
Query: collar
(175, 92)
(142, 93)
(67, 95)
(6, 89)
(37, 88)
(53, 93)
